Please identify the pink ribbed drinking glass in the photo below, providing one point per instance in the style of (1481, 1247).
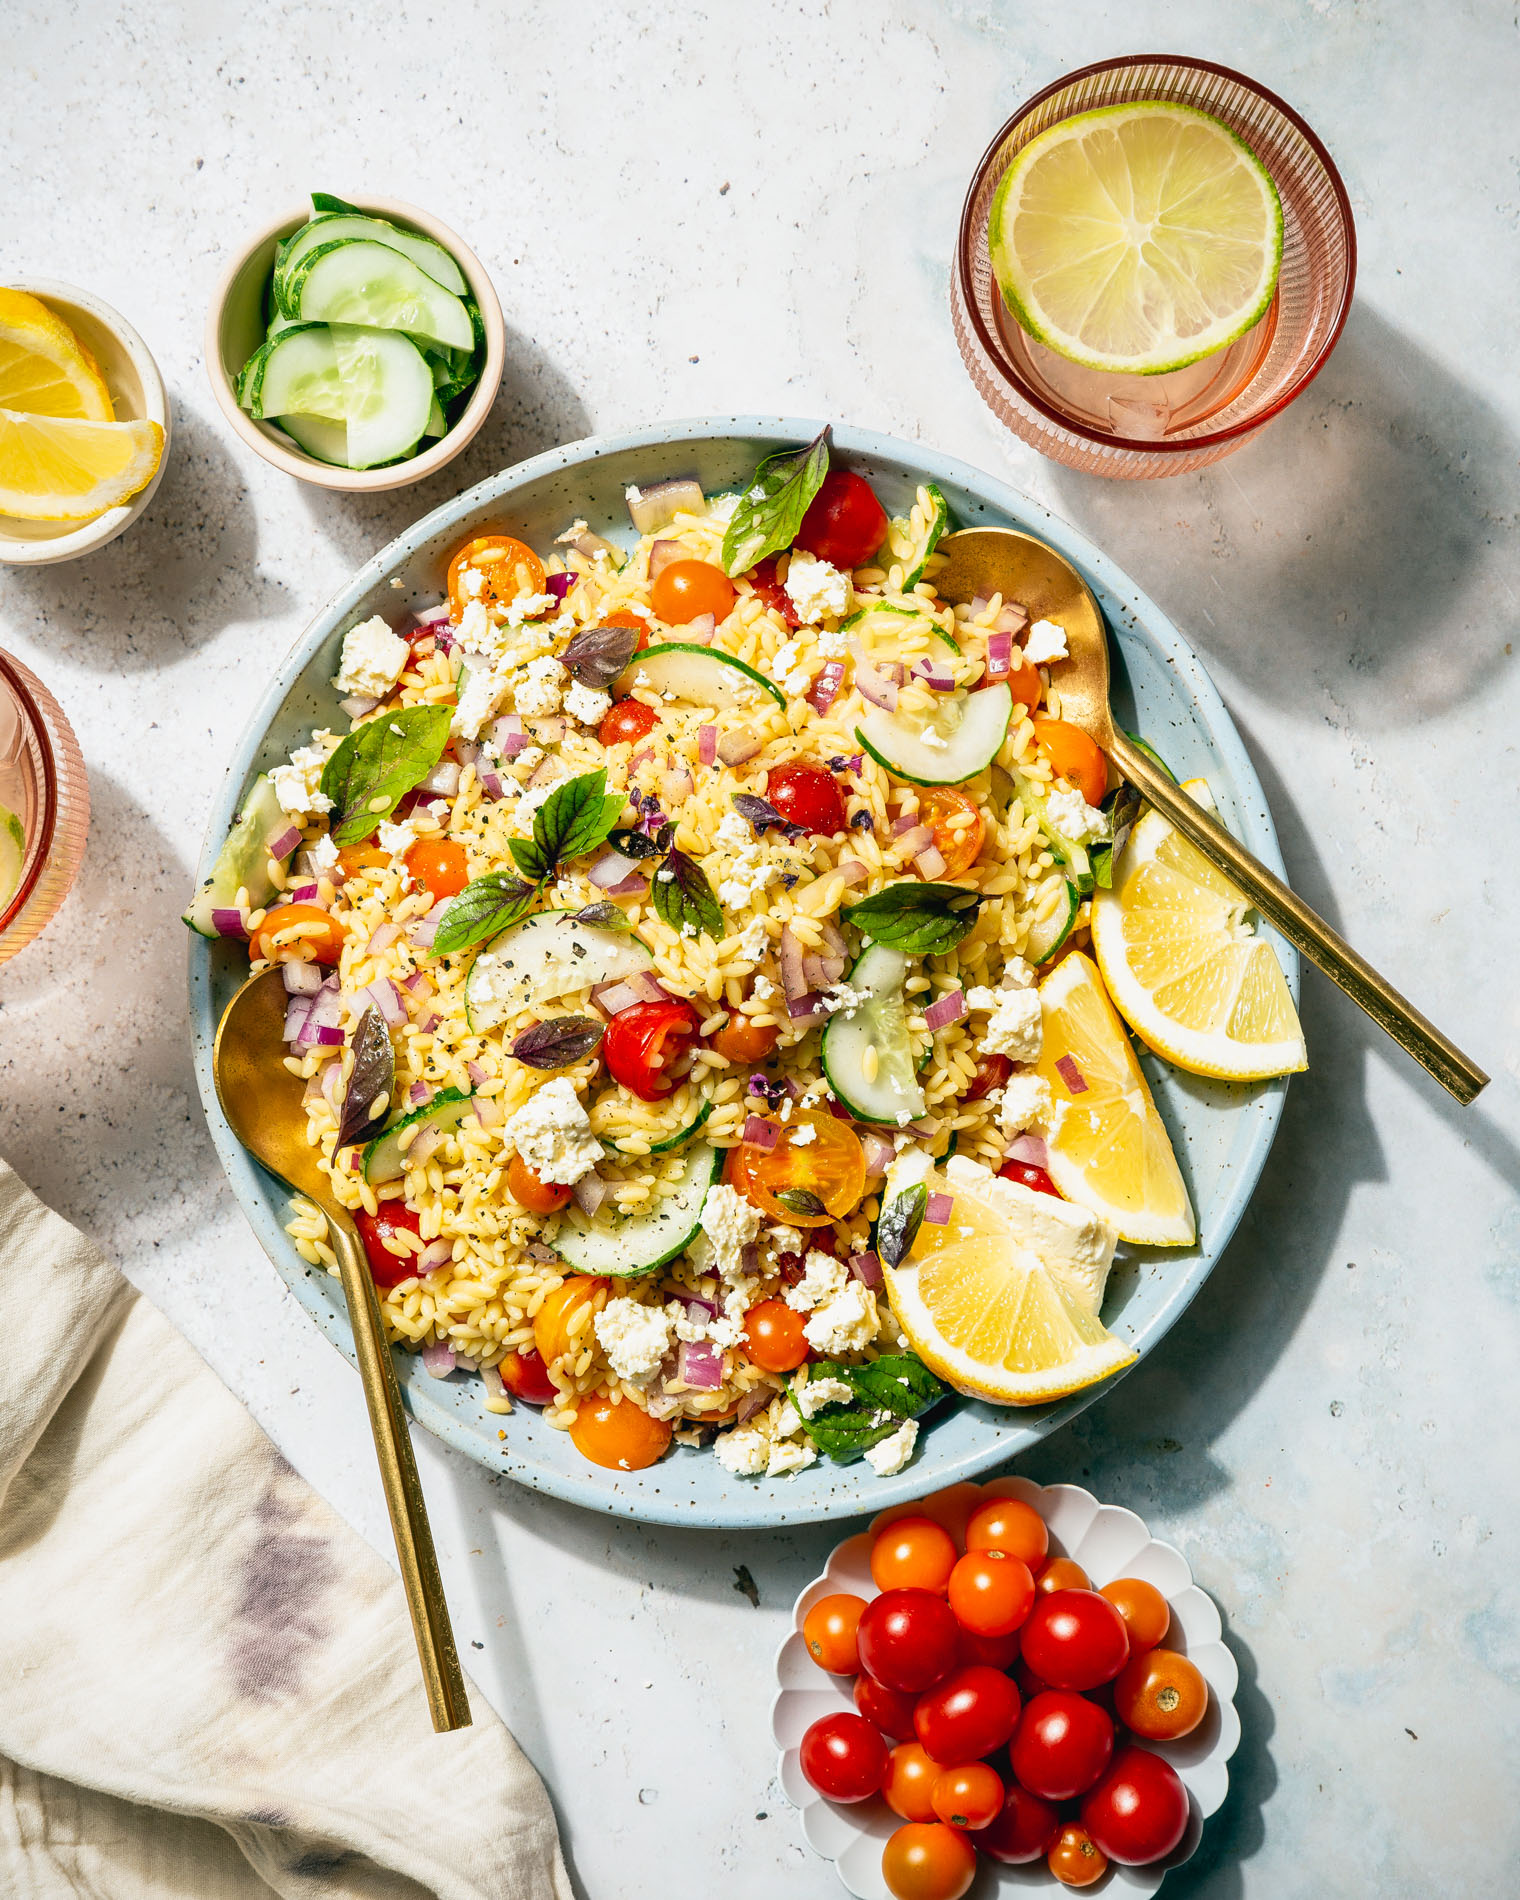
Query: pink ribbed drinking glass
(44, 806)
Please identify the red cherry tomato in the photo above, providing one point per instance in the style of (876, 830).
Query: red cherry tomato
(891, 1711)
(829, 1632)
(845, 523)
(997, 1652)
(809, 796)
(990, 1594)
(969, 1795)
(526, 1377)
(775, 1335)
(968, 1715)
(1075, 1639)
(627, 722)
(1011, 1526)
(645, 1042)
(682, 590)
(912, 1553)
(928, 1861)
(908, 1640)
(1023, 1831)
(1061, 1746)
(992, 1072)
(1139, 1810)
(1030, 1685)
(387, 1268)
(762, 578)
(1028, 1175)
(843, 1757)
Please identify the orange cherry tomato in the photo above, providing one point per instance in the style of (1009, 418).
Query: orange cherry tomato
(554, 1319)
(1010, 1526)
(619, 1435)
(539, 1197)
(829, 1630)
(928, 1861)
(684, 589)
(740, 1040)
(957, 824)
(909, 1787)
(1073, 756)
(1061, 1574)
(990, 1594)
(970, 1795)
(320, 939)
(1161, 1695)
(1147, 1614)
(912, 1553)
(1075, 1858)
(775, 1337)
(506, 568)
(362, 857)
(786, 1182)
(1025, 684)
(625, 618)
(439, 865)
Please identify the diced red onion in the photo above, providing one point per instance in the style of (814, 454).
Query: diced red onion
(328, 1035)
(430, 616)
(906, 823)
(419, 1094)
(429, 1024)
(852, 871)
(1071, 1075)
(613, 997)
(425, 929)
(999, 655)
(755, 1400)
(749, 1258)
(297, 1011)
(1012, 618)
(382, 939)
(443, 778)
(387, 999)
(301, 979)
(537, 1250)
(800, 1008)
(489, 1112)
(677, 787)
(301, 894)
(491, 783)
(870, 684)
(559, 584)
(663, 1404)
(707, 744)
(426, 1140)
(925, 1125)
(700, 1364)
(935, 675)
(229, 923)
(639, 759)
(833, 936)
(793, 974)
(1030, 1148)
(437, 1253)
(419, 982)
(506, 726)
(657, 507)
(467, 751)
(759, 1133)
(590, 545)
(698, 1303)
(825, 689)
(661, 554)
(444, 640)
(880, 1153)
(358, 705)
(285, 843)
(937, 1209)
(590, 1191)
(438, 1359)
(611, 868)
(930, 861)
(698, 632)
(332, 1085)
(866, 1268)
(914, 840)
(814, 974)
(945, 1010)
(735, 747)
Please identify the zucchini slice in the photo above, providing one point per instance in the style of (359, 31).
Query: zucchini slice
(542, 958)
(424, 253)
(365, 283)
(385, 1158)
(888, 623)
(1066, 851)
(242, 862)
(700, 675)
(624, 1249)
(968, 730)
(884, 1089)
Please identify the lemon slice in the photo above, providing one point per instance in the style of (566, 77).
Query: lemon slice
(1188, 973)
(44, 369)
(1136, 238)
(55, 468)
(1108, 1148)
(1000, 1298)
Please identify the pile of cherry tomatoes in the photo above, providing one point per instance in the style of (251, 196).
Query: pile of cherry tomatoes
(1001, 1701)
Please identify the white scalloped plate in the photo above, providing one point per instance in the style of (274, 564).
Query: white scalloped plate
(1107, 1542)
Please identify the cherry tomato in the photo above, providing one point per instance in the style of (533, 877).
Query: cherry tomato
(784, 1181)
(808, 795)
(990, 1594)
(1161, 1695)
(354, 858)
(762, 578)
(526, 1377)
(561, 1309)
(891, 1711)
(907, 1639)
(619, 1434)
(1075, 1639)
(912, 1553)
(1139, 1810)
(843, 1757)
(957, 824)
(829, 1629)
(320, 941)
(1061, 1746)
(395, 1217)
(626, 722)
(909, 1786)
(1074, 1858)
(970, 1795)
(439, 865)
(1147, 1614)
(1011, 1527)
(644, 1044)
(774, 1334)
(1030, 1685)
(997, 1652)
(1061, 1574)
(845, 524)
(539, 1197)
(1073, 756)
(967, 1715)
(992, 1072)
(684, 589)
(625, 617)
(740, 1040)
(1023, 1831)
(925, 1860)
(1028, 1175)
(506, 568)
(1024, 683)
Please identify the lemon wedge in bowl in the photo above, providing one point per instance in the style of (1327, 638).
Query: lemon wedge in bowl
(1188, 973)
(999, 1292)
(44, 369)
(58, 468)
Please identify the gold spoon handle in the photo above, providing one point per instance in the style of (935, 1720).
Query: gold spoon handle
(1303, 929)
(441, 1673)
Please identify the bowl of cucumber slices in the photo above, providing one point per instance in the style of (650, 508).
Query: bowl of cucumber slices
(356, 346)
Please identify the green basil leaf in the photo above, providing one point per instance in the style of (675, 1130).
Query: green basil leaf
(379, 764)
(684, 899)
(902, 1383)
(771, 508)
(888, 1390)
(572, 821)
(482, 910)
(923, 920)
(529, 859)
(900, 1221)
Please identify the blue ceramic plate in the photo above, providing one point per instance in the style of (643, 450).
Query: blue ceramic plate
(1222, 1132)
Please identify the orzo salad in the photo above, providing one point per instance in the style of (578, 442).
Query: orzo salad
(685, 948)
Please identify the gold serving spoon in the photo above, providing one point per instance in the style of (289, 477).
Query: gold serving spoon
(262, 1102)
(987, 561)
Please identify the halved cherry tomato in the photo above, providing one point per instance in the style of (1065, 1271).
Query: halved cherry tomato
(957, 824)
(762, 578)
(394, 1217)
(624, 617)
(829, 1632)
(627, 721)
(912, 1553)
(1011, 1527)
(1073, 756)
(684, 589)
(644, 1045)
(990, 1594)
(552, 1322)
(740, 1040)
(889, 1709)
(1147, 1614)
(827, 1171)
(809, 795)
(539, 1197)
(968, 1795)
(1061, 1573)
(526, 1377)
(992, 1072)
(775, 1337)
(362, 857)
(845, 523)
(439, 865)
(1024, 683)
(1028, 1175)
(506, 568)
(619, 1435)
(320, 941)
(1074, 1858)
(925, 1860)
(1161, 1695)
(909, 1785)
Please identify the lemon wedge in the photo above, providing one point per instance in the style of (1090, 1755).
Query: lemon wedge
(44, 369)
(1000, 1297)
(1186, 970)
(1108, 1148)
(56, 468)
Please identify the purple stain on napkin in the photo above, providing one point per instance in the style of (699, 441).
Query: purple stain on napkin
(286, 1602)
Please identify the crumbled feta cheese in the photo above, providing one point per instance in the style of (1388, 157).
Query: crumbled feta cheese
(481, 694)
(298, 786)
(817, 1393)
(745, 1451)
(395, 838)
(930, 737)
(529, 759)
(822, 1278)
(734, 832)
(762, 989)
(846, 997)
(471, 582)
(635, 1338)
(815, 587)
(324, 854)
(845, 1323)
(633, 496)
(1044, 642)
(1026, 1103)
(788, 670)
(1074, 818)
(374, 658)
(833, 643)
(787, 1454)
(1014, 1028)
(529, 607)
(552, 1134)
(536, 795)
(475, 634)
(754, 939)
(573, 533)
(802, 1136)
(730, 1222)
(752, 873)
(891, 1454)
(540, 687)
(586, 703)
(781, 1239)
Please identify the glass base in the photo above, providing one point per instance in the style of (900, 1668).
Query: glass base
(45, 796)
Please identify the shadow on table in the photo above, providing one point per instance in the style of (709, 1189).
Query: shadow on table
(1236, 1832)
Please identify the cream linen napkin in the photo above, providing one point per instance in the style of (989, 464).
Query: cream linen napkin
(208, 1687)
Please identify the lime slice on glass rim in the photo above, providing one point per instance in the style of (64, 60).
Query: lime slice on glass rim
(1136, 238)
(12, 854)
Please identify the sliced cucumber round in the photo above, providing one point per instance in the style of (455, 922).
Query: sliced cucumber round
(889, 623)
(699, 675)
(437, 422)
(542, 958)
(363, 283)
(243, 861)
(967, 731)
(866, 1052)
(935, 529)
(639, 1244)
(1067, 852)
(376, 382)
(296, 371)
(678, 1140)
(327, 441)
(1047, 936)
(385, 1157)
(431, 258)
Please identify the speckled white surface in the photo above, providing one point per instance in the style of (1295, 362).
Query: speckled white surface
(750, 208)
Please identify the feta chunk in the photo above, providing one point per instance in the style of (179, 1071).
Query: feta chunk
(395, 838)
(1074, 818)
(540, 687)
(586, 703)
(1026, 1103)
(822, 1278)
(845, 1323)
(752, 873)
(745, 1451)
(552, 1134)
(529, 607)
(475, 634)
(788, 1454)
(536, 795)
(298, 785)
(891, 1454)
(816, 588)
(930, 737)
(483, 691)
(730, 1223)
(324, 855)
(1044, 642)
(817, 1393)
(373, 660)
(734, 833)
(1015, 1026)
(634, 1337)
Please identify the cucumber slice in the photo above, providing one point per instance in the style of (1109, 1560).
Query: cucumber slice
(1047, 936)
(890, 1092)
(1066, 851)
(971, 728)
(437, 422)
(242, 861)
(677, 1140)
(375, 384)
(296, 371)
(935, 529)
(542, 958)
(626, 1248)
(370, 284)
(345, 227)
(385, 1158)
(888, 623)
(700, 675)
(327, 441)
